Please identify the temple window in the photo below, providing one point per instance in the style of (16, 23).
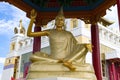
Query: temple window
(20, 44)
(26, 43)
(103, 68)
(31, 41)
(103, 63)
(8, 61)
(74, 23)
(12, 47)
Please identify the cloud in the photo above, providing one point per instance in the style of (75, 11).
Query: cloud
(0, 76)
(2, 60)
(10, 18)
(6, 26)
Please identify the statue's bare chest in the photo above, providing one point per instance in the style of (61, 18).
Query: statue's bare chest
(58, 36)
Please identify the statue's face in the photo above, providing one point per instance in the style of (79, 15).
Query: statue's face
(59, 21)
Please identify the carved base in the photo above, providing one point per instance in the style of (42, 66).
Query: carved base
(58, 78)
(47, 70)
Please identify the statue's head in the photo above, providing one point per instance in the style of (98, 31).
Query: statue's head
(60, 19)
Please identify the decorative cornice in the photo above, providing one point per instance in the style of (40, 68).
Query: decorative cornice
(85, 15)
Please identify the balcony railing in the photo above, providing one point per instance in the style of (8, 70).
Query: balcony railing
(109, 37)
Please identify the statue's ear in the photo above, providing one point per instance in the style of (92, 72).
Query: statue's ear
(89, 47)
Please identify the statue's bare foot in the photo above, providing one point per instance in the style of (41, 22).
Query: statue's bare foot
(69, 65)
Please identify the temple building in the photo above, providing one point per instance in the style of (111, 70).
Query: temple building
(17, 62)
(90, 11)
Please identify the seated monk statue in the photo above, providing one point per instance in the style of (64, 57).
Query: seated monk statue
(65, 51)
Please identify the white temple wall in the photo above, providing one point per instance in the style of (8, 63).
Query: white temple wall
(7, 74)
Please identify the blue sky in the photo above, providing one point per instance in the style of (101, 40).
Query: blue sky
(10, 17)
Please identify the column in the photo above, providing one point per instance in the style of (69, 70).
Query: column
(118, 7)
(26, 68)
(110, 72)
(96, 50)
(119, 71)
(37, 40)
(19, 66)
(114, 71)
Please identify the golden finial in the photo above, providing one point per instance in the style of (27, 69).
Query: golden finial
(21, 21)
(20, 25)
(60, 13)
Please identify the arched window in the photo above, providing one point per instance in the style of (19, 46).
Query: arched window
(74, 23)
(20, 44)
(12, 47)
(26, 43)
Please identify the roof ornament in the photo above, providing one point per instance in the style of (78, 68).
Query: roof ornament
(20, 29)
(20, 25)
(60, 13)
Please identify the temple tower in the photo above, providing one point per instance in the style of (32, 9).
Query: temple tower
(11, 65)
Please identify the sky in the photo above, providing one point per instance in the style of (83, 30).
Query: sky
(9, 19)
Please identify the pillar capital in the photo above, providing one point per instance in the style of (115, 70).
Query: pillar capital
(95, 19)
(91, 20)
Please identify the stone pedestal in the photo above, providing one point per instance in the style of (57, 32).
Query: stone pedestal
(39, 70)
(58, 78)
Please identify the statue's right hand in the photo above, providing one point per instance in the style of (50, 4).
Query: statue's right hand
(33, 14)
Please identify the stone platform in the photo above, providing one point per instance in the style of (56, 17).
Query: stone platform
(58, 78)
(48, 70)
